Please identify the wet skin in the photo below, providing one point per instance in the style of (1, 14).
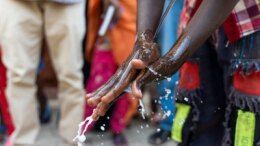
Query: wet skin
(207, 19)
(147, 51)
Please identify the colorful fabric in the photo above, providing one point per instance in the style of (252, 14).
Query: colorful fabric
(166, 38)
(103, 66)
(183, 111)
(189, 76)
(3, 101)
(243, 21)
(121, 35)
(245, 128)
(249, 84)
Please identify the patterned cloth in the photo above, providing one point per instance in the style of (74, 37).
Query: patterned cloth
(243, 21)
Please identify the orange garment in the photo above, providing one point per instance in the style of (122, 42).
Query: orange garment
(122, 35)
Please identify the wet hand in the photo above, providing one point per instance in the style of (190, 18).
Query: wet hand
(145, 50)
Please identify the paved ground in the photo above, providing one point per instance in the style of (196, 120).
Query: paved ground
(137, 135)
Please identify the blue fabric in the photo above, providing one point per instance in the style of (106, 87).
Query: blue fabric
(166, 38)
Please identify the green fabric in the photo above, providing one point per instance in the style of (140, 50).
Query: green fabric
(182, 113)
(245, 128)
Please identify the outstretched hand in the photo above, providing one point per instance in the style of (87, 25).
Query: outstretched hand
(145, 50)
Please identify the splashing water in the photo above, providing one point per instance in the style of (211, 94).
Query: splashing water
(167, 114)
(168, 92)
(80, 138)
(160, 75)
(186, 99)
(142, 110)
(102, 128)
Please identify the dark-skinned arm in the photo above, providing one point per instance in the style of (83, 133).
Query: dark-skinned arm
(145, 49)
(210, 15)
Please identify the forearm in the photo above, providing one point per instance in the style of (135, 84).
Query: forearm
(207, 19)
(149, 14)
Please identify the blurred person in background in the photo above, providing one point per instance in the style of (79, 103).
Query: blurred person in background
(208, 80)
(7, 126)
(23, 26)
(166, 37)
(106, 53)
(201, 91)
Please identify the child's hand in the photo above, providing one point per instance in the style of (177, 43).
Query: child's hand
(147, 51)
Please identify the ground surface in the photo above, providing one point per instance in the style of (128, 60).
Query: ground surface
(136, 134)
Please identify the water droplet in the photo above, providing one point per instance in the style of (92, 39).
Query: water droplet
(186, 99)
(83, 126)
(81, 138)
(102, 128)
(168, 113)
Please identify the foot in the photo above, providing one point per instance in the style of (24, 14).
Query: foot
(159, 137)
(120, 140)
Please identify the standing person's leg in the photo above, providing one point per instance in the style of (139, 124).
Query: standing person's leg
(200, 100)
(243, 111)
(3, 101)
(65, 28)
(21, 31)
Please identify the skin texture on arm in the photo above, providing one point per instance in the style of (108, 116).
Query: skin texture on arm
(145, 49)
(210, 15)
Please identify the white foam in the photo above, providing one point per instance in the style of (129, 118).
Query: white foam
(81, 138)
